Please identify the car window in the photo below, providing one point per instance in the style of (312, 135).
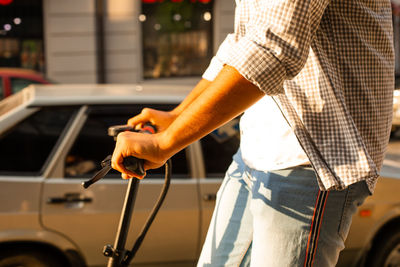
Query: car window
(93, 144)
(17, 84)
(26, 147)
(219, 147)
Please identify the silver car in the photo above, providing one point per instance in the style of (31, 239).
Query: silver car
(54, 137)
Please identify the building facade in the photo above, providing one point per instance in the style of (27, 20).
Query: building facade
(89, 41)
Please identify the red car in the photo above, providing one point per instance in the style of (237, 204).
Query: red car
(13, 80)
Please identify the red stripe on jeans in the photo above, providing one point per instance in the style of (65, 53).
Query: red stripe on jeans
(319, 228)
(311, 227)
(315, 228)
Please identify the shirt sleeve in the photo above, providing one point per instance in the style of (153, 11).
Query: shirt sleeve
(217, 62)
(273, 40)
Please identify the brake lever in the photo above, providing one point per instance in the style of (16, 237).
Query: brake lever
(106, 164)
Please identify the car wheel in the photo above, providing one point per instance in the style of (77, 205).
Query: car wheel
(386, 252)
(27, 258)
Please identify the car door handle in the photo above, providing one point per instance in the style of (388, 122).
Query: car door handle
(69, 198)
(209, 197)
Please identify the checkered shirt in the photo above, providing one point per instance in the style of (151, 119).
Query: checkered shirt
(329, 65)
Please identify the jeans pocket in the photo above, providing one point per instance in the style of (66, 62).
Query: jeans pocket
(345, 220)
(355, 196)
(234, 171)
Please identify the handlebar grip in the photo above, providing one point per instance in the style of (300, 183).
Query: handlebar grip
(134, 165)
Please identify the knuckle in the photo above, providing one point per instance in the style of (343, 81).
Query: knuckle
(147, 111)
(121, 138)
(122, 135)
(114, 165)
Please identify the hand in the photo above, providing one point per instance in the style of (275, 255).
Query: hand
(143, 146)
(161, 119)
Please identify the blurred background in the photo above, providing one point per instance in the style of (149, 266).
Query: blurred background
(108, 60)
(118, 41)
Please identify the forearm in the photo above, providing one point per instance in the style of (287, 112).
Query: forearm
(222, 100)
(197, 90)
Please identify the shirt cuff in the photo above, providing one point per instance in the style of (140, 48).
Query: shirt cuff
(213, 69)
(258, 65)
(218, 61)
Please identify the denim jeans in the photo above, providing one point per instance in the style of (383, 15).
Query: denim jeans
(278, 218)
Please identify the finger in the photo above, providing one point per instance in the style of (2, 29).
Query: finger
(126, 176)
(152, 165)
(140, 177)
(139, 119)
(117, 161)
(144, 116)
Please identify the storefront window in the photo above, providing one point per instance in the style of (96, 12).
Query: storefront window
(177, 37)
(21, 34)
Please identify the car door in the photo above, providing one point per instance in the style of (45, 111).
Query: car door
(89, 217)
(27, 139)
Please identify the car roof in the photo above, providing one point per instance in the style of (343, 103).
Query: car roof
(9, 71)
(37, 95)
(79, 94)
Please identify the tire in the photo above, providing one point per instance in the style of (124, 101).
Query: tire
(28, 258)
(386, 252)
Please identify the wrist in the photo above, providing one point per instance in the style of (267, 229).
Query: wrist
(166, 146)
(175, 112)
